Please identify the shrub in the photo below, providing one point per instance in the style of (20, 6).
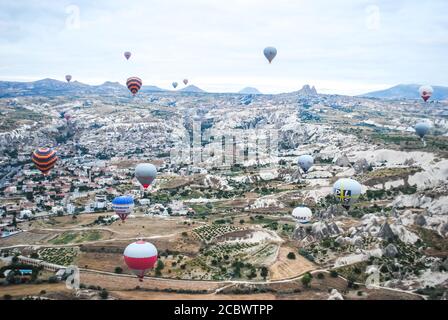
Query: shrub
(291, 256)
(334, 274)
(104, 294)
(306, 280)
(320, 276)
(118, 270)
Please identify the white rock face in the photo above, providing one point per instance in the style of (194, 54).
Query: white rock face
(335, 295)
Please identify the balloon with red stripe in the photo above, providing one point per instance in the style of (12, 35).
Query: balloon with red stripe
(426, 92)
(134, 84)
(44, 159)
(140, 256)
(145, 174)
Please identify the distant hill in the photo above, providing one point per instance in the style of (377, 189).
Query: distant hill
(307, 91)
(407, 91)
(51, 87)
(151, 89)
(249, 90)
(193, 89)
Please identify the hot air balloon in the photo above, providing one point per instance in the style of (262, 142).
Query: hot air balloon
(174, 85)
(134, 84)
(270, 53)
(425, 92)
(302, 214)
(422, 128)
(139, 257)
(145, 174)
(127, 55)
(68, 78)
(123, 206)
(67, 116)
(44, 159)
(347, 191)
(185, 81)
(305, 162)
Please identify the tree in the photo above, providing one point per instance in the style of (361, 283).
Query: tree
(118, 270)
(15, 260)
(264, 272)
(334, 274)
(104, 294)
(159, 267)
(34, 255)
(320, 275)
(291, 256)
(306, 280)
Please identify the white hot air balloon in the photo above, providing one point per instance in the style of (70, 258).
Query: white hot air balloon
(302, 215)
(305, 162)
(425, 92)
(140, 256)
(270, 53)
(145, 174)
(347, 191)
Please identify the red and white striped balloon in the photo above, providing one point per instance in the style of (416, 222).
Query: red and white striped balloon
(140, 256)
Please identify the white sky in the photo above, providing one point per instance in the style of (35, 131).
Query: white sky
(346, 47)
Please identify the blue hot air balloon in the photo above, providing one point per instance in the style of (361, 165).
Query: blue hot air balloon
(123, 206)
(270, 53)
(422, 128)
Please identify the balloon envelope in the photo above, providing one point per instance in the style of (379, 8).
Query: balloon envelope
(140, 256)
(426, 92)
(185, 81)
(134, 84)
(44, 159)
(347, 191)
(270, 53)
(302, 214)
(305, 162)
(123, 206)
(127, 55)
(174, 85)
(145, 174)
(422, 128)
(68, 78)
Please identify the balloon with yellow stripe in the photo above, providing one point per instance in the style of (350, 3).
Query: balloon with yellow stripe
(347, 191)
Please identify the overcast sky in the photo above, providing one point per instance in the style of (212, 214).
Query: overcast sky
(346, 47)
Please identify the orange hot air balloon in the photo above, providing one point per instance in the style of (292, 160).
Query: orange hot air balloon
(134, 84)
(44, 159)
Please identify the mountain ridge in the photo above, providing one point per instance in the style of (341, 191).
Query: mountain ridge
(406, 91)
